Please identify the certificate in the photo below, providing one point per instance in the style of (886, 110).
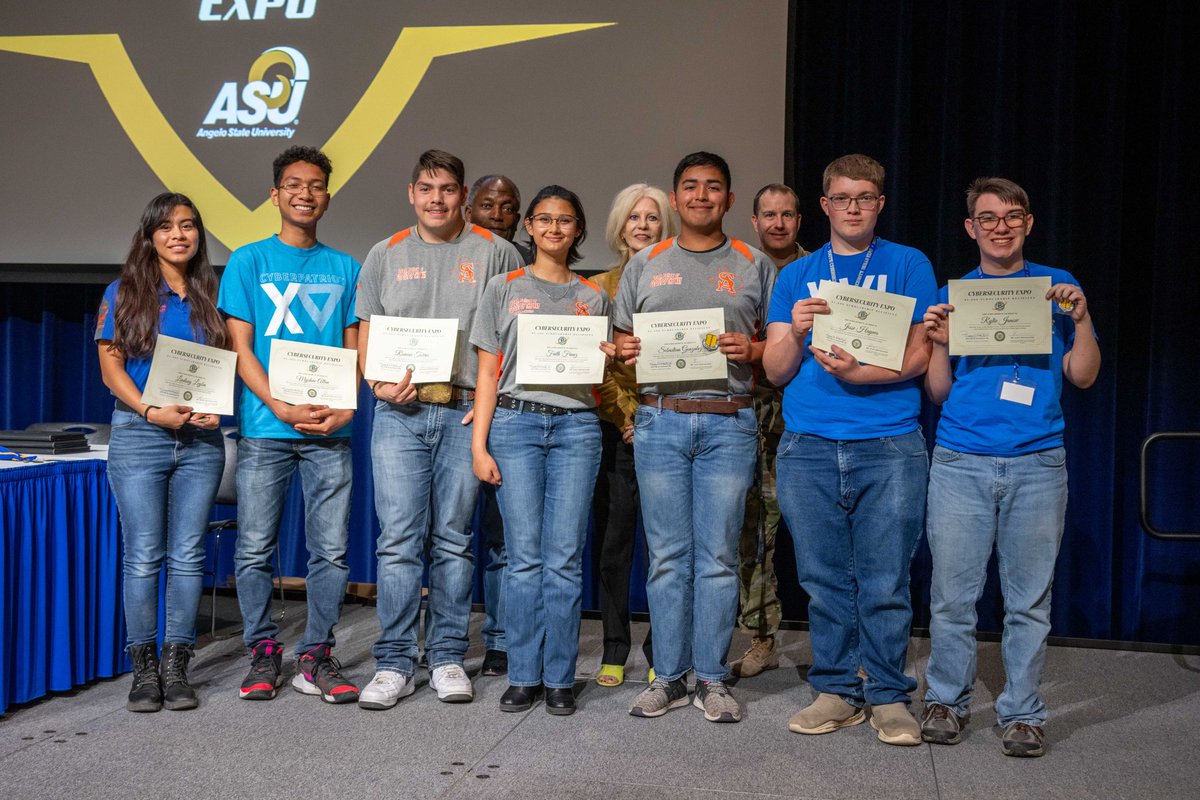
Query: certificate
(1000, 316)
(560, 348)
(680, 345)
(184, 373)
(398, 344)
(870, 325)
(314, 374)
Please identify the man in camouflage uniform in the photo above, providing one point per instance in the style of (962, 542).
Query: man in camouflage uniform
(776, 219)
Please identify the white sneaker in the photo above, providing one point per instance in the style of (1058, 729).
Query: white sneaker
(385, 690)
(451, 684)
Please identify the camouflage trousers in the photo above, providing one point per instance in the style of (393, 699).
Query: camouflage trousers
(760, 609)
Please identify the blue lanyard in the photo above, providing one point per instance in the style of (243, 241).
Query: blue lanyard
(861, 272)
(1024, 274)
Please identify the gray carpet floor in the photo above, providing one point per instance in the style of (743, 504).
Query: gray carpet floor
(1122, 726)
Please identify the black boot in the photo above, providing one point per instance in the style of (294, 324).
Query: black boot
(146, 694)
(178, 695)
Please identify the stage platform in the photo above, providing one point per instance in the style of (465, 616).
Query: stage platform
(1123, 725)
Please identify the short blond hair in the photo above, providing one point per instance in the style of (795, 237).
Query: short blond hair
(622, 207)
(856, 167)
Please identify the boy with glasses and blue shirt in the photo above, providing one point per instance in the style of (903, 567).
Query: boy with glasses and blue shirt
(852, 464)
(999, 481)
(293, 288)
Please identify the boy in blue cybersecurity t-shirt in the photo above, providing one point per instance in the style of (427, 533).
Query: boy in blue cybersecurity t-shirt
(851, 467)
(294, 288)
(999, 479)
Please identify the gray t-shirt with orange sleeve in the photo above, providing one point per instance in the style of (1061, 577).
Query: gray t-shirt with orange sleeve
(504, 300)
(405, 276)
(733, 276)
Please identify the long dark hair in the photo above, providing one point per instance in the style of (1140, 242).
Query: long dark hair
(554, 191)
(136, 317)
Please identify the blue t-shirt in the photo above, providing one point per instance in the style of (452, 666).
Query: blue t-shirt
(816, 402)
(174, 319)
(290, 294)
(975, 419)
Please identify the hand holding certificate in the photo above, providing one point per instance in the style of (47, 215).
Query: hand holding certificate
(397, 345)
(184, 373)
(680, 345)
(870, 325)
(313, 374)
(1000, 316)
(560, 349)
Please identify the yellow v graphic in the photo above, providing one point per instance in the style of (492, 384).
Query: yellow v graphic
(350, 145)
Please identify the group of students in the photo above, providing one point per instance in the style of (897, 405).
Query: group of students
(848, 467)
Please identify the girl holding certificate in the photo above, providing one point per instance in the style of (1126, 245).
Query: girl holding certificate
(640, 217)
(164, 464)
(540, 444)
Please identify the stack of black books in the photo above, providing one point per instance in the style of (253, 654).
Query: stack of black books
(44, 442)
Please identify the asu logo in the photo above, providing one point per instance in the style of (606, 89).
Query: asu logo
(277, 101)
(466, 272)
(581, 309)
(351, 144)
(725, 282)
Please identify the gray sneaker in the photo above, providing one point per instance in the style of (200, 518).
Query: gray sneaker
(714, 699)
(1023, 740)
(940, 725)
(660, 697)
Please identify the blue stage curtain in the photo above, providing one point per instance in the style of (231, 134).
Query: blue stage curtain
(60, 580)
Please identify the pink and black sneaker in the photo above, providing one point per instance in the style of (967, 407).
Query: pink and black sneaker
(266, 671)
(317, 672)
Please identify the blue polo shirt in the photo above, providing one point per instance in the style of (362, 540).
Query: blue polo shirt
(814, 401)
(289, 293)
(174, 319)
(975, 419)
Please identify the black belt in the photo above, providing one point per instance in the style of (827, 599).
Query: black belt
(505, 401)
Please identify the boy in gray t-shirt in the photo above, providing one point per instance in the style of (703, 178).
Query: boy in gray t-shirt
(695, 442)
(425, 490)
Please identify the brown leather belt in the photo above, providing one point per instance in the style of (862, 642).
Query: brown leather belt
(697, 405)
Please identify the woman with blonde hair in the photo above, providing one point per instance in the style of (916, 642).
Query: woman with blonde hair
(640, 217)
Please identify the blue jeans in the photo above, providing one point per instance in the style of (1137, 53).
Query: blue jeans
(693, 473)
(264, 473)
(856, 509)
(425, 493)
(492, 528)
(548, 467)
(1018, 505)
(165, 482)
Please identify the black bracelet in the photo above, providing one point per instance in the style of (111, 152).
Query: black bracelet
(373, 385)
(146, 413)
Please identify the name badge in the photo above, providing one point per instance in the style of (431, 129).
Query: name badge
(1016, 392)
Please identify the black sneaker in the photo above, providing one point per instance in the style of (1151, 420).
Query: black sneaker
(495, 662)
(178, 695)
(317, 672)
(266, 671)
(146, 694)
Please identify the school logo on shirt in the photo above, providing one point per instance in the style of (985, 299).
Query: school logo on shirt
(319, 300)
(666, 279)
(103, 315)
(725, 282)
(466, 272)
(413, 273)
(581, 309)
(523, 305)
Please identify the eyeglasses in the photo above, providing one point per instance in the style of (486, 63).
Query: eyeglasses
(866, 202)
(545, 221)
(1013, 219)
(296, 187)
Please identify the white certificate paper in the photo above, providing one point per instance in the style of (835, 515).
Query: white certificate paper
(560, 348)
(870, 325)
(313, 374)
(680, 345)
(184, 373)
(398, 344)
(1000, 316)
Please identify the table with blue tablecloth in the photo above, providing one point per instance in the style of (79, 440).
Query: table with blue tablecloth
(60, 579)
